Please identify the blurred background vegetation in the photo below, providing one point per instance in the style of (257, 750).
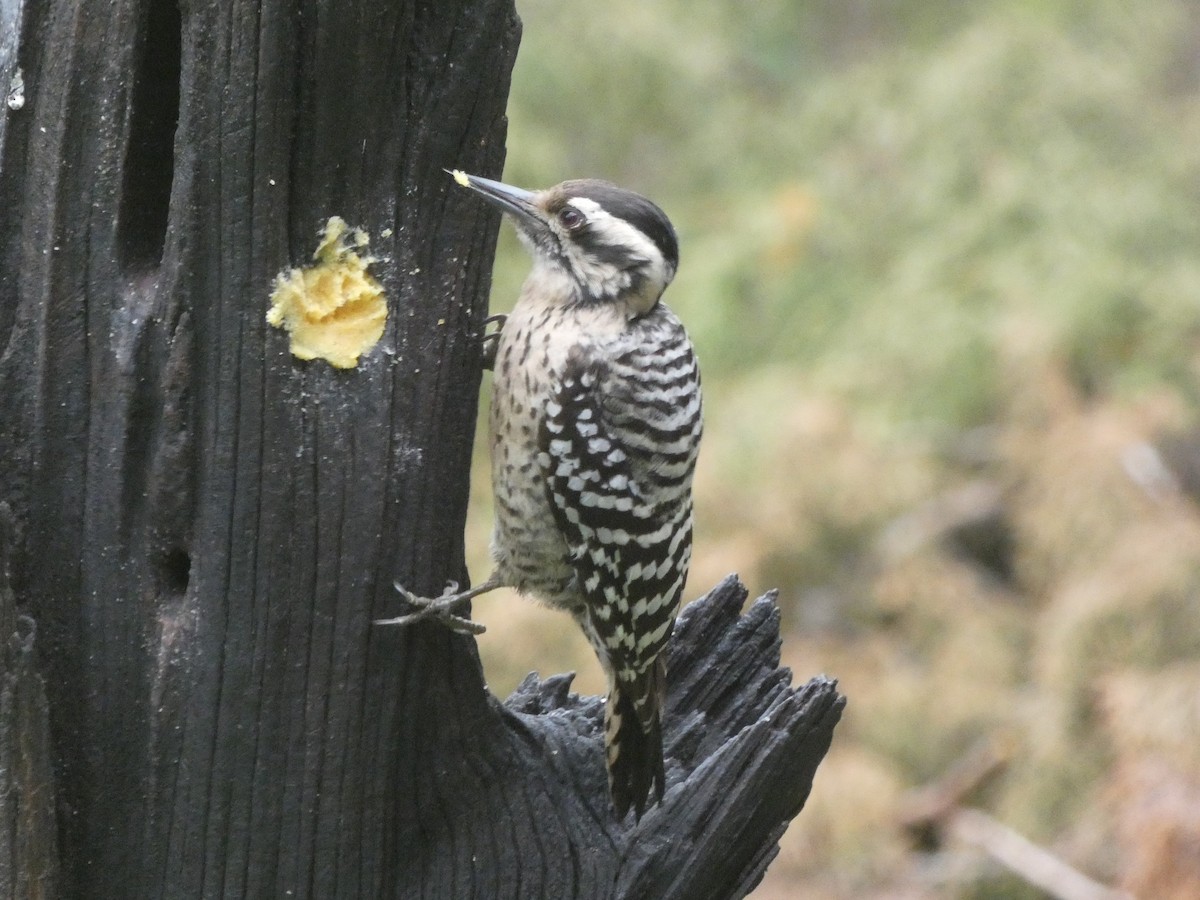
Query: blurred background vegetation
(941, 261)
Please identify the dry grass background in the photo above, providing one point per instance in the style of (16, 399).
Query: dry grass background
(942, 264)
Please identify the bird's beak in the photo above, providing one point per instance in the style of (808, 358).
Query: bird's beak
(517, 202)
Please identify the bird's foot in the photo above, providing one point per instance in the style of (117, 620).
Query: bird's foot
(491, 341)
(443, 609)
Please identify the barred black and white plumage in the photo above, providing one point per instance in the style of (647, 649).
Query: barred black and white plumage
(595, 426)
(618, 443)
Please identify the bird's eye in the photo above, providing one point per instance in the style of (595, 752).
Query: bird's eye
(571, 218)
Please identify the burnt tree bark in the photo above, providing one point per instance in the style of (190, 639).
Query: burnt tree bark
(197, 529)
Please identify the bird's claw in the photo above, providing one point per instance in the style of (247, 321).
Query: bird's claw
(489, 343)
(436, 609)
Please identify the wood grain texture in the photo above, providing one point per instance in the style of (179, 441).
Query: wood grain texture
(742, 746)
(202, 528)
(207, 525)
(29, 858)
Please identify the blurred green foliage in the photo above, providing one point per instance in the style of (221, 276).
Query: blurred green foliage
(932, 252)
(896, 197)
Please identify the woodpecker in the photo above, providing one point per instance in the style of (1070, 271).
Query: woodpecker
(595, 426)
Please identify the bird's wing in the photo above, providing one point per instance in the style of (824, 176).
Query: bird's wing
(618, 445)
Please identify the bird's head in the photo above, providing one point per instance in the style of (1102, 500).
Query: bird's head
(604, 243)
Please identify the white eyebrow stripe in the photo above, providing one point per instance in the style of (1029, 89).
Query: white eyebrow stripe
(585, 205)
(617, 232)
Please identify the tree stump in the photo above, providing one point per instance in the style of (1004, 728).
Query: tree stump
(198, 529)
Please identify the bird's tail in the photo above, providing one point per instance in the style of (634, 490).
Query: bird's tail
(633, 739)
